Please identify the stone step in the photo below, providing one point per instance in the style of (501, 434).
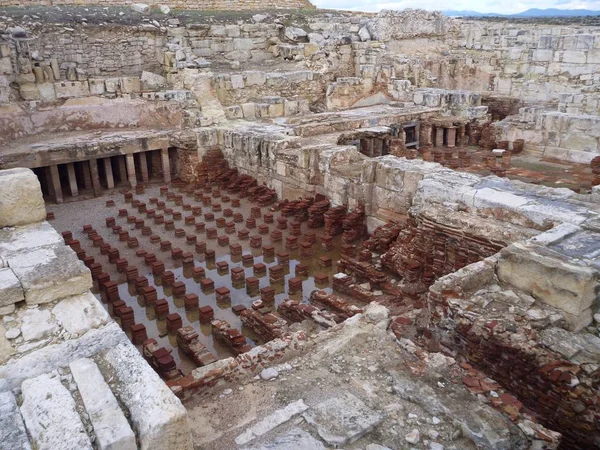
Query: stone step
(158, 417)
(12, 429)
(110, 425)
(50, 415)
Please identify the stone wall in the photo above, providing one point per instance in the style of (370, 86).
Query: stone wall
(95, 50)
(551, 134)
(218, 5)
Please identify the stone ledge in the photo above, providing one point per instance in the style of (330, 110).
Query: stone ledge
(50, 273)
(110, 425)
(51, 417)
(158, 417)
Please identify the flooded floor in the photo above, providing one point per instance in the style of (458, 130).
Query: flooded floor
(74, 215)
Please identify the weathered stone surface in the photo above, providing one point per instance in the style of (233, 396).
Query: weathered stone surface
(59, 355)
(271, 421)
(28, 237)
(12, 431)
(6, 350)
(37, 324)
(50, 415)
(21, 200)
(50, 273)
(11, 291)
(80, 313)
(158, 417)
(548, 276)
(110, 425)
(295, 439)
(153, 81)
(343, 420)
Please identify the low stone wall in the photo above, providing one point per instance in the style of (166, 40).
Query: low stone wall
(218, 5)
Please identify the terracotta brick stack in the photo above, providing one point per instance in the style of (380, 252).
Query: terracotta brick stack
(316, 213)
(354, 225)
(334, 218)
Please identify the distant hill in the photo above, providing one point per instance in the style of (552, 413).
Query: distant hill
(552, 12)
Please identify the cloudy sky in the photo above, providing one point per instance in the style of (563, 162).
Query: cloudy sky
(505, 7)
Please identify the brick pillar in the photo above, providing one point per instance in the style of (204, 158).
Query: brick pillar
(87, 176)
(110, 181)
(166, 165)
(96, 186)
(72, 180)
(425, 134)
(439, 137)
(56, 187)
(462, 136)
(143, 167)
(451, 137)
(122, 168)
(131, 170)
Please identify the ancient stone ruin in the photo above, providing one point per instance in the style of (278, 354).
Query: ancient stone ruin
(223, 227)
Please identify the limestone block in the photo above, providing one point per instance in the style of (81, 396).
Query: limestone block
(52, 357)
(110, 425)
(152, 81)
(5, 66)
(237, 81)
(70, 89)
(542, 55)
(262, 110)
(342, 420)
(249, 110)
(27, 237)
(6, 349)
(21, 200)
(310, 49)
(96, 86)
(47, 92)
(112, 85)
(11, 291)
(51, 417)
(29, 92)
(130, 85)
(548, 276)
(80, 313)
(50, 273)
(276, 110)
(290, 108)
(37, 324)
(234, 112)
(158, 417)
(272, 421)
(232, 30)
(593, 56)
(12, 429)
(576, 57)
(243, 44)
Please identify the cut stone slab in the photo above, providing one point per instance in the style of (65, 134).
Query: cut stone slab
(80, 313)
(11, 291)
(25, 238)
(342, 420)
(271, 421)
(21, 200)
(110, 425)
(295, 439)
(50, 415)
(54, 356)
(37, 324)
(12, 430)
(158, 417)
(50, 273)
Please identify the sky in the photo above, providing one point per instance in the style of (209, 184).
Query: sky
(485, 6)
